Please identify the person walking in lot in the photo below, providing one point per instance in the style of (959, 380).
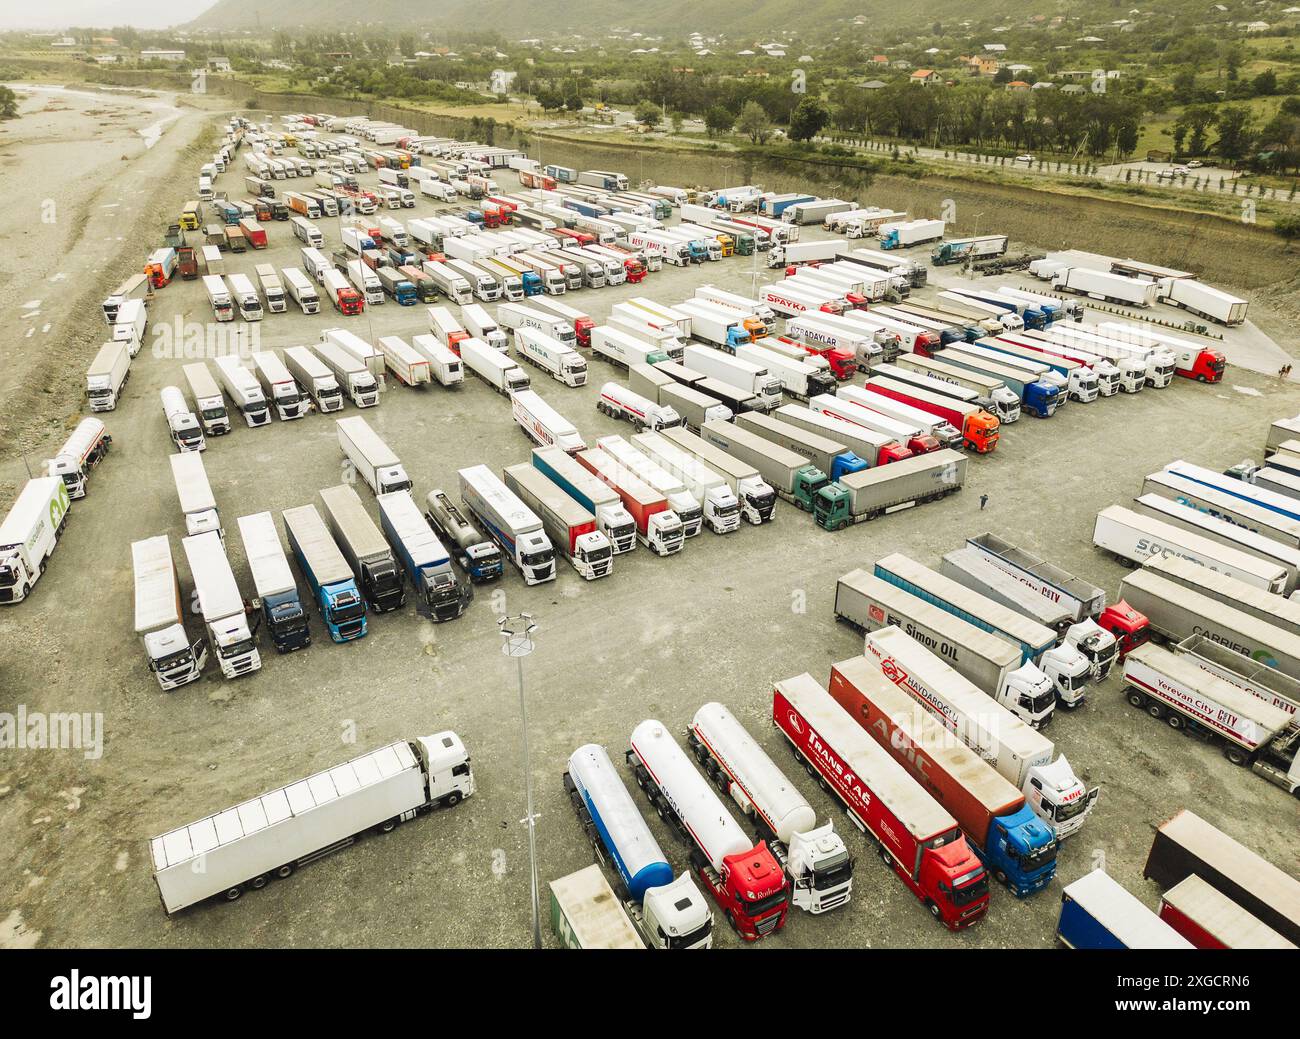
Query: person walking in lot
(984, 500)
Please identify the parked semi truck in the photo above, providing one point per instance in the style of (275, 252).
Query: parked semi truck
(1012, 842)
(1066, 669)
(1097, 913)
(370, 456)
(242, 388)
(277, 592)
(1210, 920)
(221, 605)
(194, 493)
(1019, 753)
(1174, 612)
(913, 833)
(592, 493)
(666, 913)
(712, 490)
(757, 497)
(422, 556)
(1187, 845)
(1263, 606)
(209, 406)
(743, 877)
(509, 522)
(1251, 731)
(352, 376)
(570, 527)
(333, 586)
(972, 570)
(870, 446)
(477, 555)
(979, 429)
(658, 527)
(814, 857)
(271, 835)
(791, 475)
(681, 501)
(989, 392)
(159, 619)
(902, 418)
(1132, 537)
(875, 492)
(988, 662)
(363, 546)
(831, 457)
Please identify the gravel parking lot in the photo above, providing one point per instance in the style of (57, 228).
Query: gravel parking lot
(657, 638)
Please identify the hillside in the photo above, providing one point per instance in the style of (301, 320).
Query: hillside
(516, 19)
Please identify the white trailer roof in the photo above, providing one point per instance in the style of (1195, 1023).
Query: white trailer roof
(344, 507)
(155, 584)
(317, 544)
(513, 513)
(887, 780)
(192, 487)
(995, 614)
(275, 806)
(213, 579)
(1265, 606)
(1122, 914)
(31, 504)
(266, 558)
(367, 441)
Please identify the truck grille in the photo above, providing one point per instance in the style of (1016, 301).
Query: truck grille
(835, 900)
(768, 924)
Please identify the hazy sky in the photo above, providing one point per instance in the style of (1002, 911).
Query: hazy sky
(59, 14)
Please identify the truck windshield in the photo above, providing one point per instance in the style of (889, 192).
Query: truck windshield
(1040, 702)
(1038, 857)
(599, 554)
(538, 558)
(833, 873)
(211, 414)
(1069, 810)
(971, 892)
(729, 510)
(237, 649)
(174, 662)
(765, 905)
(347, 613)
(685, 941)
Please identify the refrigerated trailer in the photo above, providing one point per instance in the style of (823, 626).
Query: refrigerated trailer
(159, 619)
(1132, 537)
(271, 835)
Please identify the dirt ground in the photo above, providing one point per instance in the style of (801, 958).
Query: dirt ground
(656, 639)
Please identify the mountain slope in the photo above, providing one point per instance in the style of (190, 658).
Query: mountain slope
(517, 18)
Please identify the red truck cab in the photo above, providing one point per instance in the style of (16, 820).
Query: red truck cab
(1130, 627)
(751, 890)
(892, 452)
(913, 834)
(582, 327)
(1207, 366)
(349, 301)
(635, 271)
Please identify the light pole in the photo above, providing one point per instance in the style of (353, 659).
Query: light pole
(518, 635)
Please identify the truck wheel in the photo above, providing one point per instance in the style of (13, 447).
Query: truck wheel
(884, 856)
(1236, 755)
(731, 919)
(387, 826)
(452, 799)
(258, 882)
(1175, 720)
(285, 872)
(232, 893)
(1155, 710)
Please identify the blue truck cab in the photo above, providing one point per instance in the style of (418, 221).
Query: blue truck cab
(286, 620)
(422, 556)
(1041, 399)
(328, 573)
(404, 293)
(1020, 848)
(737, 336)
(532, 283)
(845, 464)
